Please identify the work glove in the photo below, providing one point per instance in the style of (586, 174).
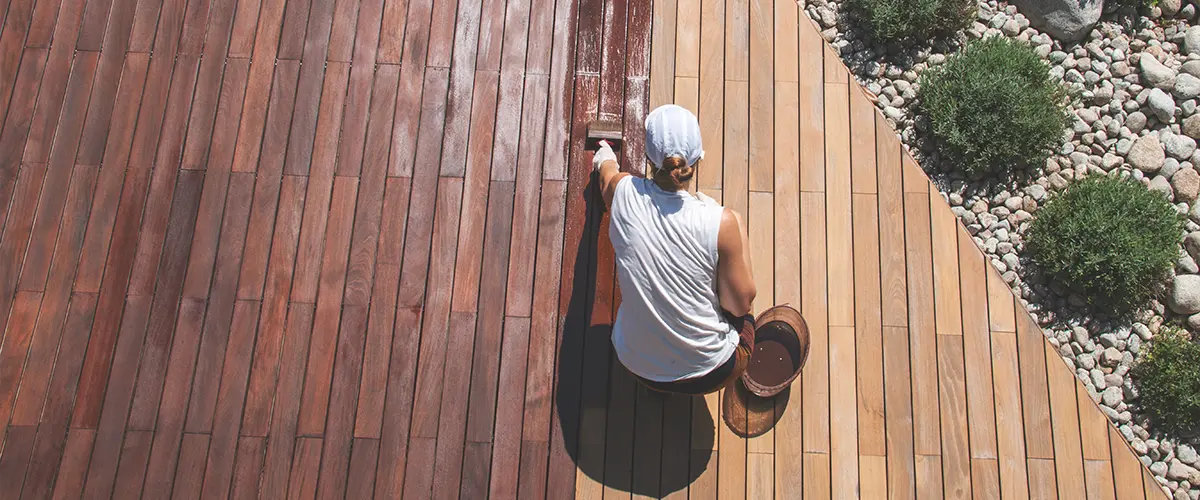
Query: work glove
(605, 153)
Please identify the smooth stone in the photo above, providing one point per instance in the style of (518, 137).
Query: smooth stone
(1170, 166)
(1111, 357)
(1191, 40)
(1066, 20)
(1192, 67)
(1187, 86)
(1185, 294)
(1179, 470)
(1114, 380)
(1186, 184)
(1155, 74)
(1179, 146)
(1161, 104)
(1191, 126)
(1111, 396)
(1079, 335)
(1191, 243)
(1185, 264)
(1162, 185)
(1147, 154)
(1086, 360)
(1187, 454)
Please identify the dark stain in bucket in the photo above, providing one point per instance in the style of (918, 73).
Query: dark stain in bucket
(776, 354)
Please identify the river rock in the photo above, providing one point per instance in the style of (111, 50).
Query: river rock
(1187, 86)
(1161, 104)
(1156, 74)
(1162, 185)
(1186, 183)
(1185, 294)
(1191, 126)
(1147, 154)
(1066, 20)
(1179, 146)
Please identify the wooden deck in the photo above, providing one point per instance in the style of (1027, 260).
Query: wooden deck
(346, 247)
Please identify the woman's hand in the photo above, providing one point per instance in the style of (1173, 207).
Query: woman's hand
(605, 153)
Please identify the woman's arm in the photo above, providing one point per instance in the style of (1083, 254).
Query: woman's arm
(608, 172)
(735, 280)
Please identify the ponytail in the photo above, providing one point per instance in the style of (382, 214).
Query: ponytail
(677, 169)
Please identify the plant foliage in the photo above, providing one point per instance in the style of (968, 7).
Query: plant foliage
(1168, 378)
(1111, 240)
(901, 20)
(994, 107)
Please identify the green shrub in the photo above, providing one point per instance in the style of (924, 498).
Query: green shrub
(994, 107)
(1168, 379)
(1111, 240)
(899, 20)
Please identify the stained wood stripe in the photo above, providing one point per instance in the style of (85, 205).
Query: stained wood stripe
(275, 312)
(339, 426)
(225, 448)
(44, 346)
(48, 453)
(278, 462)
(102, 469)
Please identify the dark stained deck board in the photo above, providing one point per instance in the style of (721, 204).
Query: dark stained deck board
(344, 248)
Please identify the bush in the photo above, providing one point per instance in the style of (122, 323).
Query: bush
(899, 20)
(994, 107)
(1168, 378)
(1111, 240)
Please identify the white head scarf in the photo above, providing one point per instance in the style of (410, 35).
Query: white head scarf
(672, 130)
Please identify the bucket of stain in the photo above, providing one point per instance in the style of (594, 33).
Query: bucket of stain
(780, 349)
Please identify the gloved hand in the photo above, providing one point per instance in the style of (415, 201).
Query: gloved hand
(605, 153)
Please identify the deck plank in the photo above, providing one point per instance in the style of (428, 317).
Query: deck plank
(838, 206)
(344, 392)
(872, 439)
(1041, 479)
(894, 290)
(1035, 391)
(922, 330)
(1009, 417)
(1126, 468)
(1093, 429)
(1064, 416)
(1099, 476)
(812, 111)
(977, 349)
(815, 378)
(843, 408)
(952, 400)
(711, 109)
(946, 293)
(898, 409)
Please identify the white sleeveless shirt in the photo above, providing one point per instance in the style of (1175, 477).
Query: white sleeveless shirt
(669, 326)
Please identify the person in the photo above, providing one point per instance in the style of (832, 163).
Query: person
(683, 265)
